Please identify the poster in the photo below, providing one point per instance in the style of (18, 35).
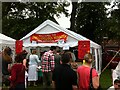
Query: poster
(83, 48)
(49, 38)
(18, 46)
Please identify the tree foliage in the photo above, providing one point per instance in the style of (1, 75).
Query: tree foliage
(73, 14)
(114, 23)
(21, 18)
(90, 19)
(87, 18)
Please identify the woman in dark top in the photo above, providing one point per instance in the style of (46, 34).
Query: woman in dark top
(6, 60)
(64, 77)
(17, 77)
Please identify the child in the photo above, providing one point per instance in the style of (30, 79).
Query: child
(116, 85)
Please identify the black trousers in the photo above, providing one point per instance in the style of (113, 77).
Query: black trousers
(20, 86)
(47, 78)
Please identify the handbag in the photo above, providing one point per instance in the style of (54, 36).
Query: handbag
(91, 84)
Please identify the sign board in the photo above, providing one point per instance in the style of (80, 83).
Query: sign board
(18, 46)
(48, 38)
(83, 48)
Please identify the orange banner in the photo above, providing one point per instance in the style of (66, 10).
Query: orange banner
(48, 38)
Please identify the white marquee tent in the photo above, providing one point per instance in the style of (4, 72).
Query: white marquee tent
(49, 27)
(6, 40)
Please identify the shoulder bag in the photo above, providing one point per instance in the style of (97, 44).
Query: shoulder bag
(91, 83)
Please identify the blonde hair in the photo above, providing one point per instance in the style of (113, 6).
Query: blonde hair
(88, 57)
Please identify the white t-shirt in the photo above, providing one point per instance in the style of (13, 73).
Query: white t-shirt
(34, 59)
(111, 88)
(118, 69)
(116, 72)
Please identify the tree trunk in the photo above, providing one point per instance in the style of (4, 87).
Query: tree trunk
(72, 19)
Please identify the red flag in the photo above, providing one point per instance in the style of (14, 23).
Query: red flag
(83, 48)
(18, 46)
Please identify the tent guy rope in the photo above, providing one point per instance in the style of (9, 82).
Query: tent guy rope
(111, 60)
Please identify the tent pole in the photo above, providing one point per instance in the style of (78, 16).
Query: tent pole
(96, 59)
(100, 59)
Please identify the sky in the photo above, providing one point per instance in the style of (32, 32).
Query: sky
(64, 21)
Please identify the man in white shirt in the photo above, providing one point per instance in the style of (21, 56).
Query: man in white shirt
(116, 78)
(116, 72)
(116, 85)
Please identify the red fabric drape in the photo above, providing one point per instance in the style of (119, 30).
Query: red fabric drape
(18, 46)
(83, 48)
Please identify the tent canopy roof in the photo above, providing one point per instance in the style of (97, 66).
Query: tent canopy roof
(6, 40)
(72, 34)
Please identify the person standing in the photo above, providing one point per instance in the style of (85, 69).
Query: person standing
(17, 77)
(24, 52)
(84, 74)
(64, 77)
(6, 58)
(48, 65)
(57, 58)
(116, 85)
(32, 68)
(116, 72)
(72, 58)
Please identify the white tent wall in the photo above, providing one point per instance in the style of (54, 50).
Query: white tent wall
(49, 27)
(70, 41)
(100, 60)
(97, 53)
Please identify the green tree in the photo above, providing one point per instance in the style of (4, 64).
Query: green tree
(19, 18)
(73, 14)
(114, 23)
(90, 19)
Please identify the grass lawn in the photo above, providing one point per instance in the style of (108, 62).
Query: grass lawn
(106, 79)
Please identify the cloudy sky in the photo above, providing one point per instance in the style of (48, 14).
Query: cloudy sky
(64, 21)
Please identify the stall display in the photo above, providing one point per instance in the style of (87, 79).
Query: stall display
(69, 38)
